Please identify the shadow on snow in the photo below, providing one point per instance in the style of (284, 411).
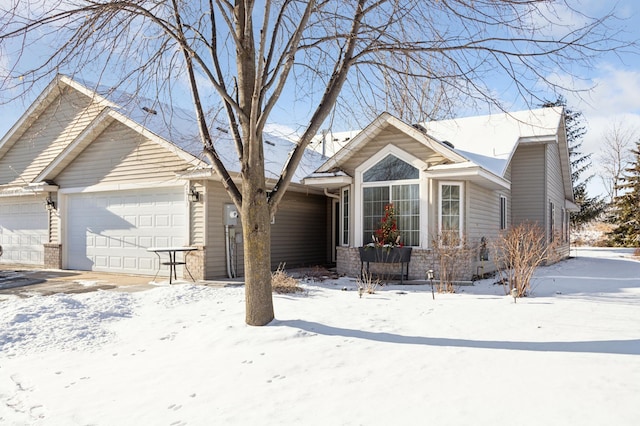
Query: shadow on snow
(620, 347)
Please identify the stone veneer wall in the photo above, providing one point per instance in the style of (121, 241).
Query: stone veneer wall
(52, 256)
(349, 263)
(195, 264)
(422, 260)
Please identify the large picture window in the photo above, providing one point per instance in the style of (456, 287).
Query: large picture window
(392, 180)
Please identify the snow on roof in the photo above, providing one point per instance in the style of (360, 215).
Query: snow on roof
(490, 140)
(178, 126)
(332, 142)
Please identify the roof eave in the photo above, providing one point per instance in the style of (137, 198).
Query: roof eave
(328, 182)
(471, 173)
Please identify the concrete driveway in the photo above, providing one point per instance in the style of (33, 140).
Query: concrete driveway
(24, 280)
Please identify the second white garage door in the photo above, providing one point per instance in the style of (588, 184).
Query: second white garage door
(23, 230)
(110, 231)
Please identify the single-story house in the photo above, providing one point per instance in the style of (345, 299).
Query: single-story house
(474, 176)
(89, 180)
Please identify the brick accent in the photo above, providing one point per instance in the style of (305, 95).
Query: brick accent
(52, 256)
(196, 264)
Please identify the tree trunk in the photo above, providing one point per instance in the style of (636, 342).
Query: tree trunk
(256, 228)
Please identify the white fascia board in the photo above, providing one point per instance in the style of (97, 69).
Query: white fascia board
(200, 173)
(468, 171)
(571, 206)
(18, 191)
(328, 181)
(42, 187)
(541, 139)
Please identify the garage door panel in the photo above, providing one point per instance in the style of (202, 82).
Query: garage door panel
(118, 229)
(145, 221)
(23, 231)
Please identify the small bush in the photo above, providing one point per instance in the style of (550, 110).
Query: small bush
(518, 252)
(453, 255)
(367, 284)
(283, 283)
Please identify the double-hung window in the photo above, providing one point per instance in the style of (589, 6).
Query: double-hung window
(451, 209)
(392, 180)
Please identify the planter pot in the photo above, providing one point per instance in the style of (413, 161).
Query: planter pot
(401, 255)
(385, 254)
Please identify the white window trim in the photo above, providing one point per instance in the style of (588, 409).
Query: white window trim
(357, 192)
(462, 213)
(342, 212)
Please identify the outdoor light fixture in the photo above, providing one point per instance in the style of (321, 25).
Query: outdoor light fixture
(430, 278)
(51, 205)
(194, 196)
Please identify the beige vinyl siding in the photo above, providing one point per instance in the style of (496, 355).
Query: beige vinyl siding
(483, 213)
(54, 221)
(120, 155)
(386, 137)
(216, 198)
(528, 201)
(58, 125)
(555, 192)
(197, 211)
(299, 235)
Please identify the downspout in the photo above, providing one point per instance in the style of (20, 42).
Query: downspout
(328, 194)
(227, 251)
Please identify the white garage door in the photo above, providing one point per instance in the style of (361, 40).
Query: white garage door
(23, 231)
(110, 231)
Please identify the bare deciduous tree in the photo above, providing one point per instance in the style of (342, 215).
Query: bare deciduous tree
(251, 57)
(615, 154)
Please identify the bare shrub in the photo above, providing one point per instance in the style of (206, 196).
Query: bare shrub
(518, 252)
(453, 255)
(367, 283)
(283, 283)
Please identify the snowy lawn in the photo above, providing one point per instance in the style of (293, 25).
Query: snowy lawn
(568, 355)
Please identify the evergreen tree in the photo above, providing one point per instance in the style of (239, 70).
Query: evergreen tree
(626, 206)
(590, 207)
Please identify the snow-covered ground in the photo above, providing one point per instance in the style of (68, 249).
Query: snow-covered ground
(182, 355)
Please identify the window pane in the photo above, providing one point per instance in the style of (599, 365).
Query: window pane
(450, 208)
(389, 169)
(373, 201)
(407, 202)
